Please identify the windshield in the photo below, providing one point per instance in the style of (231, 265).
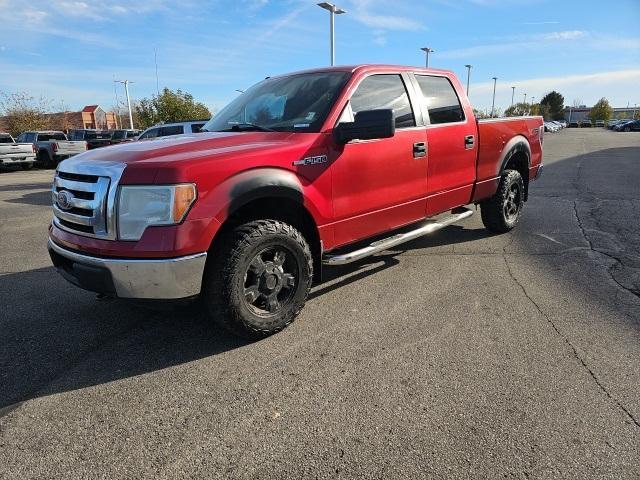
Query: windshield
(296, 103)
(45, 137)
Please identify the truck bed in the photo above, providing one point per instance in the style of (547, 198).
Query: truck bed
(496, 135)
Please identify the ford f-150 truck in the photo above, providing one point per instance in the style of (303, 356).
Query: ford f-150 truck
(12, 153)
(52, 147)
(318, 167)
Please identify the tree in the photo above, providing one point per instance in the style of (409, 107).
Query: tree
(24, 112)
(169, 107)
(517, 109)
(601, 110)
(555, 104)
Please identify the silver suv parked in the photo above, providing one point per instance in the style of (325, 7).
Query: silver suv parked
(167, 129)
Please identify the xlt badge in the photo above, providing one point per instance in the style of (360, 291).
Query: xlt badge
(311, 160)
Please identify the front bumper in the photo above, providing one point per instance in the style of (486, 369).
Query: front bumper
(170, 278)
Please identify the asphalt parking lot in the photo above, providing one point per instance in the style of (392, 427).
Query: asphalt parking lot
(460, 355)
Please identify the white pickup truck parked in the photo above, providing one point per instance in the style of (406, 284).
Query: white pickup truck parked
(52, 146)
(12, 153)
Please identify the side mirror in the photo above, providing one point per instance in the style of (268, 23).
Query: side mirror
(368, 125)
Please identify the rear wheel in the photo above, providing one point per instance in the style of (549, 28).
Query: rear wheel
(27, 166)
(501, 212)
(259, 278)
(45, 160)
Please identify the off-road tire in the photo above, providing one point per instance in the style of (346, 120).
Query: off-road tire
(27, 166)
(493, 209)
(224, 292)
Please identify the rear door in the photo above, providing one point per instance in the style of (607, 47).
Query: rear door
(451, 169)
(380, 184)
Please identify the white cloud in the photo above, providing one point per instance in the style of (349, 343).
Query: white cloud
(363, 12)
(618, 86)
(566, 35)
(34, 16)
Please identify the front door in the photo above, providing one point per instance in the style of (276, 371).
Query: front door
(380, 184)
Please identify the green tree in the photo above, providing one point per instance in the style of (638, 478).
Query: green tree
(169, 107)
(601, 110)
(24, 112)
(517, 109)
(555, 104)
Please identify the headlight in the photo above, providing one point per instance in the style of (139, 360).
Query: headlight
(142, 206)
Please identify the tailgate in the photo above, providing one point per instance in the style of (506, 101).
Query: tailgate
(16, 150)
(66, 147)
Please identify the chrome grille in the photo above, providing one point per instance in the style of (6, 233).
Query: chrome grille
(83, 195)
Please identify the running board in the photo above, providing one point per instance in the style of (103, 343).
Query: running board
(387, 243)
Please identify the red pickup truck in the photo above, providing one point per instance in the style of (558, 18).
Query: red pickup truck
(289, 176)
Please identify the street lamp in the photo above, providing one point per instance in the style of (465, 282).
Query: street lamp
(468, 76)
(493, 104)
(427, 50)
(333, 11)
(525, 98)
(126, 89)
(513, 92)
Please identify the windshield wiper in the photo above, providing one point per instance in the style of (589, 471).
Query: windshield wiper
(245, 127)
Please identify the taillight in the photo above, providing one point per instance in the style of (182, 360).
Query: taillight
(33, 147)
(54, 146)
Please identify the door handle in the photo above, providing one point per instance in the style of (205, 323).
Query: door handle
(419, 149)
(469, 141)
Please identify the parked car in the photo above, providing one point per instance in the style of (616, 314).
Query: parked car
(619, 127)
(551, 127)
(600, 123)
(586, 124)
(12, 153)
(124, 135)
(52, 146)
(574, 124)
(169, 129)
(612, 123)
(563, 123)
(632, 126)
(246, 212)
(94, 138)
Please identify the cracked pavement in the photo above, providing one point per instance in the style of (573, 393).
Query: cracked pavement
(459, 355)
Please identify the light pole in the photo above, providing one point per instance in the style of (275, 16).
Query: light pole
(427, 50)
(468, 77)
(333, 11)
(493, 103)
(513, 92)
(126, 89)
(525, 98)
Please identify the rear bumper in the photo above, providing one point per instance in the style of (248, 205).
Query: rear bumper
(17, 159)
(171, 278)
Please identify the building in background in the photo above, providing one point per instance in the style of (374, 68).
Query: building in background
(90, 117)
(577, 114)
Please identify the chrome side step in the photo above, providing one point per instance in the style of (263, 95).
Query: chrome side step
(387, 243)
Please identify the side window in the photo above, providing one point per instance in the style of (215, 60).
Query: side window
(440, 99)
(195, 127)
(22, 138)
(153, 133)
(32, 137)
(173, 130)
(384, 92)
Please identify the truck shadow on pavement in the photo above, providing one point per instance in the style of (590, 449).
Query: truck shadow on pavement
(57, 338)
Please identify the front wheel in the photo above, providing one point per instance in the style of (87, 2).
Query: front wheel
(501, 212)
(258, 278)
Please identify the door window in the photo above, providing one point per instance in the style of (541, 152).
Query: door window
(440, 99)
(384, 92)
(172, 130)
(153, 133)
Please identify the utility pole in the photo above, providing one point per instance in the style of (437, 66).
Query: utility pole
(427, 50)
(333, 11)
(126, 89)
(468, 77)
(513, 92)
(155, 57)
(117, 105)
(493, 103)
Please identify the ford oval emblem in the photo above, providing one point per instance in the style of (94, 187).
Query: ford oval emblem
(64, 199)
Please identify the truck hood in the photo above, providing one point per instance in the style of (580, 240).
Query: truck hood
(168, 150)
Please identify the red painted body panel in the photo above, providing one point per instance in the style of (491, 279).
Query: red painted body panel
(364, 188)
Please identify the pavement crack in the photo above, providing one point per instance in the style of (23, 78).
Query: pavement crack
(611, 268)
(573, 349)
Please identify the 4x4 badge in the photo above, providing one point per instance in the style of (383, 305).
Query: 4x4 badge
(311, 160)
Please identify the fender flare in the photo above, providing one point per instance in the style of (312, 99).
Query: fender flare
(513, 146)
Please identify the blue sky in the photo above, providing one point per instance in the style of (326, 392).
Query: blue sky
(70, 51)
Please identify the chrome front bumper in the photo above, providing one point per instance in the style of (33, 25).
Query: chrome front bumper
(170, 278)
